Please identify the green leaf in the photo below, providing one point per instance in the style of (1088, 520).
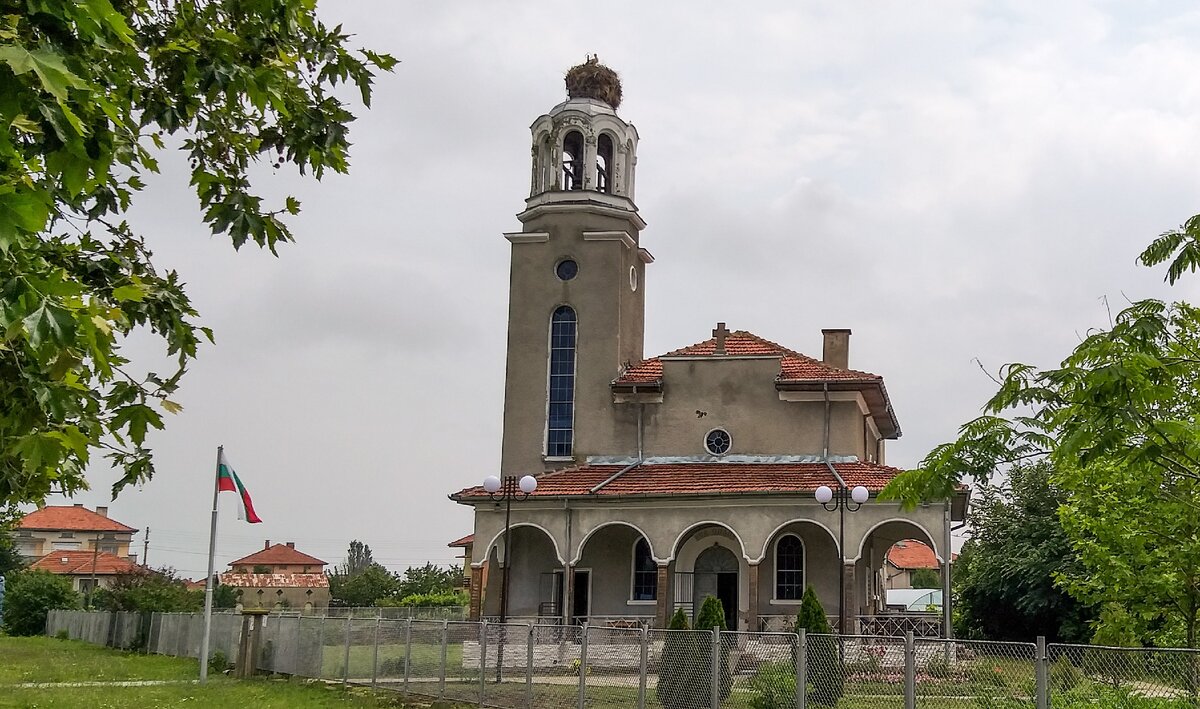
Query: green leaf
(56, 78)
(50, 323)
(135, 292)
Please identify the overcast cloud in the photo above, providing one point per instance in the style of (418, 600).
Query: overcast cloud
(951, 180)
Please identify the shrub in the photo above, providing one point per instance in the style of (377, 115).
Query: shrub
(712, 616)
(826, 673)
(63, 635)
(678, 683)
(1064, 676)
(30, 598)
(774, 686)
(392, 667)
(217, 662)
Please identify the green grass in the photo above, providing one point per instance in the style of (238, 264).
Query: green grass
(426, 659)
(51, 660)
(219, 694)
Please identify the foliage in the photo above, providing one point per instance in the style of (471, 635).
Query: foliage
(218, 663)
(826, 672)
(1117, 421)
(363, 589)
(430, 579)
(30, 596)
(148, 590)
(91, 93)
(10, 559)
(427, 600)
(773, 686)
(712, 617)
(260, 569)
(1004, 581)
(358, 559)
(681, 686)
(925, 578)
(224, 596)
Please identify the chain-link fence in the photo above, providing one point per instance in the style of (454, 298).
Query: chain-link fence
(526, 665)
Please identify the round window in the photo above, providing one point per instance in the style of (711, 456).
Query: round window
(633, 279)
(566, 269)
(717, 441)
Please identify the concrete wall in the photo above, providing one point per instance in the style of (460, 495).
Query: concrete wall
(820, 570)
(609, 555)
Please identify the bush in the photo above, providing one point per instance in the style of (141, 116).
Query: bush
(427, 600)
(63, 635)
(678, 688)
(827, 675)
(30, 598)
(774, 686)
(712, 616)
(217, 662)
(1064, 676)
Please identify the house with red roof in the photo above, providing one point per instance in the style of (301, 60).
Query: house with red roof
(734, 467)
(73, 528)
(467, 544)
(279, 576)
(86, 569)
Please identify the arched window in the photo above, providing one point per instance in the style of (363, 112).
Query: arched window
(645, 572)
(561, 419)
(604, 163)
(789, 568)
(572, 161)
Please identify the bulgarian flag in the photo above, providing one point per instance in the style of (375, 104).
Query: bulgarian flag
(227, 480)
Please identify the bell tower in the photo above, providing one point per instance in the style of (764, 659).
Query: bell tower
(576, 288)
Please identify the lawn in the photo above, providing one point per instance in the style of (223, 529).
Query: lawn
(41, 659)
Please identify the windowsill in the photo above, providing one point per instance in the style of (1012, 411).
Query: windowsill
(641, 603)
(780, 602)
(557, 458)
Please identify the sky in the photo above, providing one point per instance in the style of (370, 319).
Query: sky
(963, 184)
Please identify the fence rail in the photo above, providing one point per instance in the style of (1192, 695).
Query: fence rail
(537, 665)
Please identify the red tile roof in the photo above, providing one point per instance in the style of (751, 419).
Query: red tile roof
(794, 366)
(79, 562)
(279, 554)
(464, 542)
(701, 479)
(70, 517)
(912, 554)
(275, 580)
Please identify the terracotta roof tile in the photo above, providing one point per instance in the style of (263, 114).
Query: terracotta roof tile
(912, 554)
(465, 541)
(794, 366)
(70, 517)
(277, 554)
(80, 562)
(275, 580)
(702, 478)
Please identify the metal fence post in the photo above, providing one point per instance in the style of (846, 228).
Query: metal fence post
(715, 670)
(583, 642)
(346, 656)
(407, 653)
(483, 632)
(529, 667)
(910, 672)
(643, 670)
(375, 655)
(802, 669)
(442, 661)
(1043, 685)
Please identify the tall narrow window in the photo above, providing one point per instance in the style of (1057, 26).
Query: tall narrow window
(572, 161)
(604, 163)
(645, 572)
(560, 426)
(789, 569)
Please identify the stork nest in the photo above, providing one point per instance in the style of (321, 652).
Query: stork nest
(594, 80)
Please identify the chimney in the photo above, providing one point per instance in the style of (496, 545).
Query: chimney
(102, 511)
(836, 350)
(267, 544)
(291, 545)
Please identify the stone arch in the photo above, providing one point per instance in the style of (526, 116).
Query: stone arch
(901, 528)
(496, 541)
(683, 535)
(583, 542)
(769, 542)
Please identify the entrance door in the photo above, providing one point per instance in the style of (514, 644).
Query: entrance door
(581, 596)
(716, 574)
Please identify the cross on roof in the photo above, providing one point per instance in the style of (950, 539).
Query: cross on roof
(720, 333)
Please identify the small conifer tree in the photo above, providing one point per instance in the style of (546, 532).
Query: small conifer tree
(677, 669)
(712, 615)
(826, 673)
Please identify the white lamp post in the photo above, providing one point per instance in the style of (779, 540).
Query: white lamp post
(508, 489)
(842, 499)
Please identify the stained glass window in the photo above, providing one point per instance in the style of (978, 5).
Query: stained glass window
(560, 426)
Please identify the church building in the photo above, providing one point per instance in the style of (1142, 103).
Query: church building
(733, 467)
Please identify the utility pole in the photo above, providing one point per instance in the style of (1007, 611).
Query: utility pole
(146, 549)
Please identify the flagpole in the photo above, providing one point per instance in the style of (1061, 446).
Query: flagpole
(208, 580)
